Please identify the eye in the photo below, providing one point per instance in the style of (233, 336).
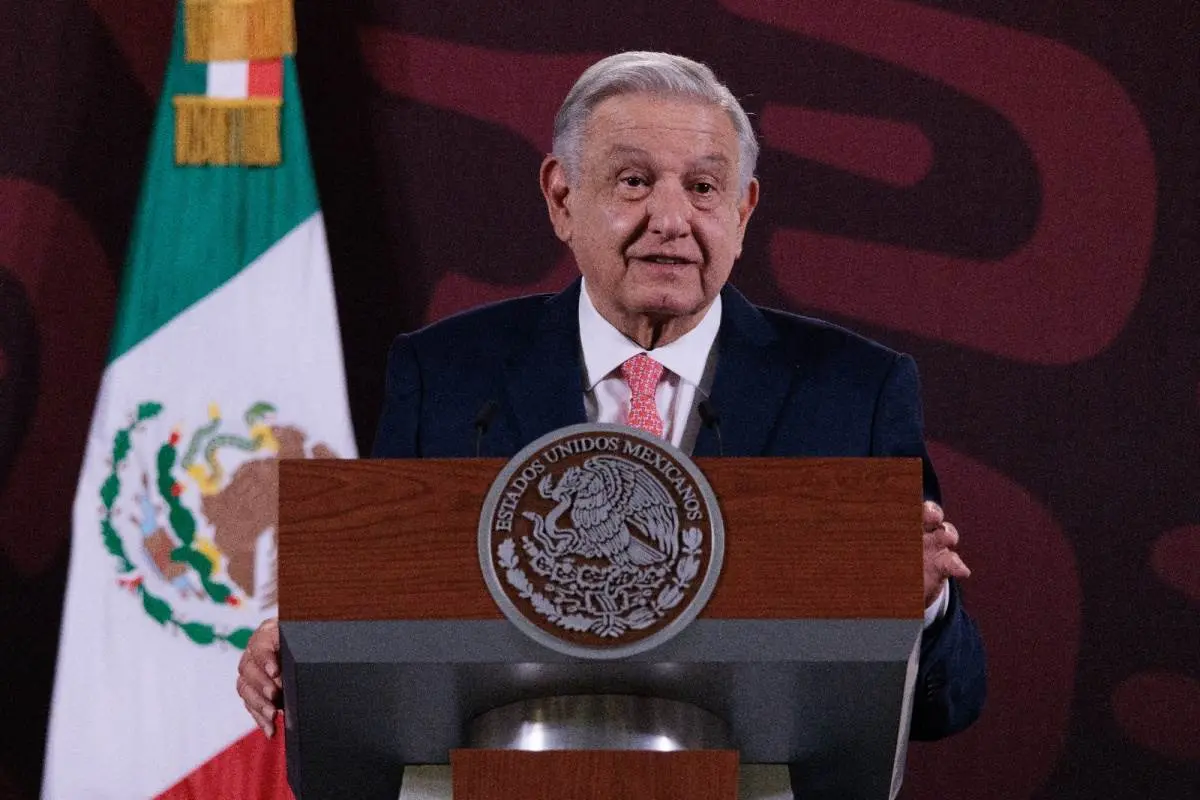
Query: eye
(703, 187)
(634, 181)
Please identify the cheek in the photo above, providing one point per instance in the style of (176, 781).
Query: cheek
(617, 223)
(738, 237)
(721, 236)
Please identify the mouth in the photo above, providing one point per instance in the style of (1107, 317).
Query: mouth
(664, 260)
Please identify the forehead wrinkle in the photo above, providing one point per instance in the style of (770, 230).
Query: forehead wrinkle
(620, 150)
(710, 161)
(713, 161)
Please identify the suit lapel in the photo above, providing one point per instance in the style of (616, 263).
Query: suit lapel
(544, 377)
(753, 378)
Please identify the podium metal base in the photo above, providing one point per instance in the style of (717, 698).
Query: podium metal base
(599, 722)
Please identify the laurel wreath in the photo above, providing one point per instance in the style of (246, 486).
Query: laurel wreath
(609, 625)
(182, 523)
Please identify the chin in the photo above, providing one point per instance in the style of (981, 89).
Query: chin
(669, 304)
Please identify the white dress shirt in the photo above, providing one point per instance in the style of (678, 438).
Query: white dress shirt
(689, 363)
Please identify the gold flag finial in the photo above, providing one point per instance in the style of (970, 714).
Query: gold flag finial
(226, 132)
(238, 30)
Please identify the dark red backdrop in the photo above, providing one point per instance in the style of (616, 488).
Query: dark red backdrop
(1005, 188)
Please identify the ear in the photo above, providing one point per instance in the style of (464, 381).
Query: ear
(746, 206)
(556, 191)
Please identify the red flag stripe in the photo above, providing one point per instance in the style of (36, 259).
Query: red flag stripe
(253, 768)
(266, 78)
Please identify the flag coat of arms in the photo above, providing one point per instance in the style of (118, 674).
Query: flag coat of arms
(225, 356)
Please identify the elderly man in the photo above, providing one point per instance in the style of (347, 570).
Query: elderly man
(651, 184)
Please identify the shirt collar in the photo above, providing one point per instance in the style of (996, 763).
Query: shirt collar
(605, 348)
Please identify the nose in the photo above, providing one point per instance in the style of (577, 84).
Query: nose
(669, 211)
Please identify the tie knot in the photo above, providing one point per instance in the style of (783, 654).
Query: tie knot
(642, 373)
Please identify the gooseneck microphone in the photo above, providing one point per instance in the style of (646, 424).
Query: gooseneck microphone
(712, 420)
(483, 421)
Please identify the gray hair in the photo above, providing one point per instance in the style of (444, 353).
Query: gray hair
(651, 73)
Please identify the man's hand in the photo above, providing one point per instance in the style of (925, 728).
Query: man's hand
(259, 682)
(941, 562)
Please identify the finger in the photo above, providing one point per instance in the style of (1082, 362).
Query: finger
(263, 718)
(263, 713)
(932, 515)
(268, 721)
(260, 661)
(255, 711)
(945, 536)
(272, 694)
(269, 667)
(259, 682)
(264, 647)
(270, 674)
(949, 564)
(253, 694)
(243, 689)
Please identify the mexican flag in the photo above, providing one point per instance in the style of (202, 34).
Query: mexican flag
(225, 356)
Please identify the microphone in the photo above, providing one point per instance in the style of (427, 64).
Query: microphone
(482, 421)
(712, 420)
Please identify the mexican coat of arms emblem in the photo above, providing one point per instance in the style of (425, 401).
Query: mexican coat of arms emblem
(600, 541)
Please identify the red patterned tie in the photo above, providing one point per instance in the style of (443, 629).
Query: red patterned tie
(642, 373)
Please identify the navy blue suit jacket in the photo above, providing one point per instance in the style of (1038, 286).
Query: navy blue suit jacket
(784, 386)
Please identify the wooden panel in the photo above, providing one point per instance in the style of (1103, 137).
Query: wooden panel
(373, 539)
(818, 538)
(805, 539)
(594, 775)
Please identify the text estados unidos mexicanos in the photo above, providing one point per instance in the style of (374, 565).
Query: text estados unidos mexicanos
(676, 477)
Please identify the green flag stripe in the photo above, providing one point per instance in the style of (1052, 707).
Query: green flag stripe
(183, 77)
(197, 227)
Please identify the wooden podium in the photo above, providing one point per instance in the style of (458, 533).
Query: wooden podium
(392, 643)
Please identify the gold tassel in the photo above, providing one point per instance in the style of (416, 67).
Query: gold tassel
(229, 132)
(238, 30)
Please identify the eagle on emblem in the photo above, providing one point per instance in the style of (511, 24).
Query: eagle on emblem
(619, 511)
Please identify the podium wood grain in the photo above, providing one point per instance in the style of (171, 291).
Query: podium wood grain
(594, 775)
(346, 552)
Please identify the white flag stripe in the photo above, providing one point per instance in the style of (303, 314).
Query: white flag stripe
(228, 79)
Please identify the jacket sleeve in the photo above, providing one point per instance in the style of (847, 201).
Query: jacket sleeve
(952, 675)
(397, 435)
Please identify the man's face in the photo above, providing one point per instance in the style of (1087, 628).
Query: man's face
(656, 217)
